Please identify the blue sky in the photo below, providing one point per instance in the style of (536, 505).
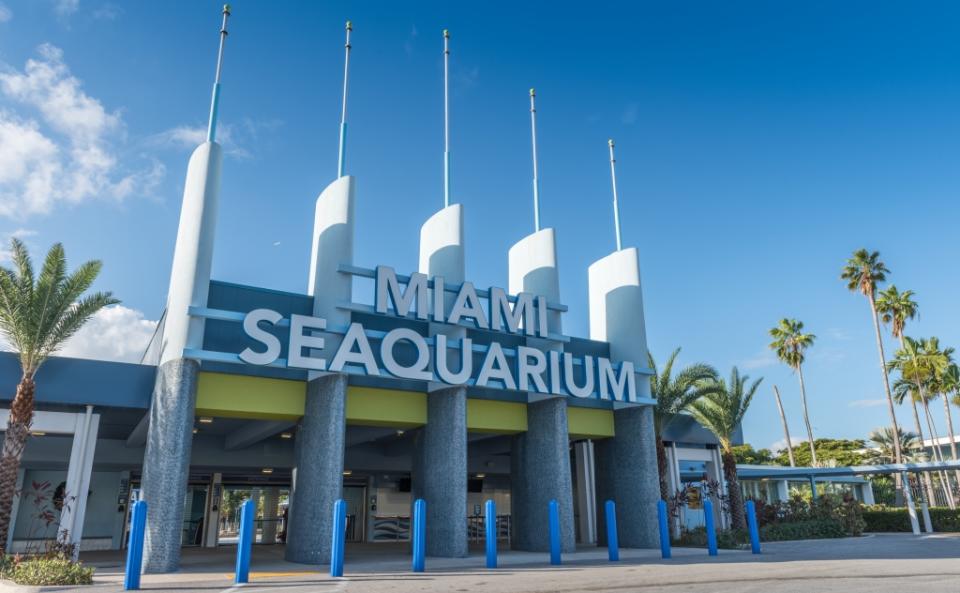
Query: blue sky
(758, 145)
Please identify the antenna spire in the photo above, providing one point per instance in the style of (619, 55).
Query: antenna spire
(536, 180)
(446, 118)
(341, 162)
(616, 204)
(215, 99)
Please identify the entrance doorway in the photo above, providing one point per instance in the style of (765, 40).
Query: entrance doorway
(194, 507)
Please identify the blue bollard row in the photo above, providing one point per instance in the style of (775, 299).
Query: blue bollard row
(491, 529)
(339, 543)
(664, 529)
(419, 535)
(245, 542)
(554, 533)
(613, 543)
(754, 530)
(710, 526)
(138, 526)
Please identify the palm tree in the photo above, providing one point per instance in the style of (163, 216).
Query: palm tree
(910, 446)
(944, 382)
(721, 411)
(790, 344)
(895, 308)
(862, 272)
(37, 315)
(786, 428)
(674, 395)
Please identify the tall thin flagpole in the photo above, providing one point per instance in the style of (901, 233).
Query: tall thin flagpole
(341, 161)
(215, 99)
(616, 204)
(446, 118)
(536, 180)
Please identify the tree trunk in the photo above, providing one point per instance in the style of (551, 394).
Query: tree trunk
(14, 441)
(737, 517)
(786, 429)
(938, 456)
(886, 380)
(662, 469)
(928, 483)
(806, 418)
(953, 441)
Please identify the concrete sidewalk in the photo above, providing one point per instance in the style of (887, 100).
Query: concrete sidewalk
(870, 564)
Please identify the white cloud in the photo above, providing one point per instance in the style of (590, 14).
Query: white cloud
(866, 403)
(65, 8)
(781, 445)
(66, 154)
(107, 12)
(5, 13)
(115, 333)
(233, 137)
(760, 360)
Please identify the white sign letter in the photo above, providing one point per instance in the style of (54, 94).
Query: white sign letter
(587, 389)
(251, 325)
(417, 370)
(466, 361)
(388, 291)
(624, 386)
(299, 341)
(495, 367)
(500, 309)
(355, 336)
(527, 371)
(468, 305)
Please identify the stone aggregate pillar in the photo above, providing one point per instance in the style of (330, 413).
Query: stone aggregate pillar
(319, 467)
(440, 472)
(627, 474)
(166, 462)
(539, 473)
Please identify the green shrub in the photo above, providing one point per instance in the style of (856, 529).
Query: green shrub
(896, 520)
(50, 571)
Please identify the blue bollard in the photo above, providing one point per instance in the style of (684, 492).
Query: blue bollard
(554, 533)
(491, 526)
(419, 535)
(613, 542)
(138, 525)
(245, 541)
(664, 530)
(754, 530)
(710, 526)
(339, 537)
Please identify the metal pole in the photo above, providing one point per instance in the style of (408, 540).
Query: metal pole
(245, 541)
(664, 530)
(554, 520)
(446, 118)
(536, 179)
(339, 537)
(342, 160)
(710, 527)
(419, 535)
(491, 518)
(215, 99)
(754, 528)
(613, 542)
(616, 204)
(138, 524)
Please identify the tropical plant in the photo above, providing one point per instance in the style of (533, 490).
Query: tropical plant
(830, 453)
(896, 308)
(910, 446)
(674, 395)
(862, 273)
(721, 411)
(790, 344)
(37, 315)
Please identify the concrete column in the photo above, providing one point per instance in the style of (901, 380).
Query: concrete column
(440, 472)
(166, 462)
(78, 477)
(867, 490)
(539, 473)
(319, 464)
(211, 522)
(271, 498)
(627, 474)
(586, 492)
(119, 520)
(783, 490)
